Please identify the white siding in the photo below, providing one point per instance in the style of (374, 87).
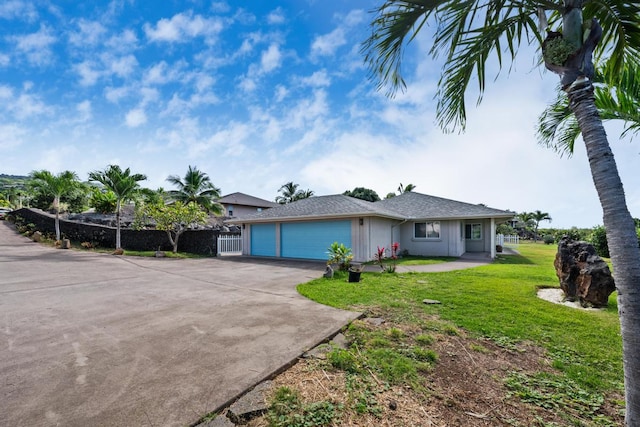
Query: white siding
(449, 243)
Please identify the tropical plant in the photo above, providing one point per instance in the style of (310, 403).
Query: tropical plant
(537, 217)
(406, 189)
(616, 97)
(363, 194)
(176, 218)
(124, 185)
(54, 185)
(290, 193)
(467, 34)
(196, 187)
(341, 255)
(103, 201)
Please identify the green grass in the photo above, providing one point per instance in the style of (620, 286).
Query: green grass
(497, 301)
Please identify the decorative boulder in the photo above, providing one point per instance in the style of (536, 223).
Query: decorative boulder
(584, 276)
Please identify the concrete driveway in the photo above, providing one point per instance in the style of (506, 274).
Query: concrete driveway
(100, 340)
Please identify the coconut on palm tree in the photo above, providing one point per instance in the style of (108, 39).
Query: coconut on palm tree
(196, 186)
(123, 184)
(56, 186)
(468, 34)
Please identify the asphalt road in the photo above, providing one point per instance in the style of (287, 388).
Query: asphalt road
(101, 340)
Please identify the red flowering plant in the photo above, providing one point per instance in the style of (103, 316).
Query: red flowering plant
(381, 256)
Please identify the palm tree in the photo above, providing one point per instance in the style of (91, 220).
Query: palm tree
(303, 194)
(468, 33)
(288, 191)
(123, 184)
(56, 186)
(196, 187)
(406, 189)
(538, 216)
(619, 100)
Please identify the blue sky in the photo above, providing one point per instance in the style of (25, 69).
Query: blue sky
(260, 93)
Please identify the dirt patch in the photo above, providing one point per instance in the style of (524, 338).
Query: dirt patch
(466, 387)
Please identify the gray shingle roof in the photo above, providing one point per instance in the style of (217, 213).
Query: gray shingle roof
(409, 205)
(337, 205)
(412, 205)
(242, 199)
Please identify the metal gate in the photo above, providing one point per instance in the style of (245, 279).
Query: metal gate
(230, 244)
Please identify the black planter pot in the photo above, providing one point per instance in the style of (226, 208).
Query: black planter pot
(354, 276)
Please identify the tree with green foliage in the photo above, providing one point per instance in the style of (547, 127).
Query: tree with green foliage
(103, 201)
(175, 218)
(291, 193)
(363, 194)
(57, 186)
(616, 97)
(196, 187)
(123, 184)
(468, 34)
(406, 189)
(537, 217)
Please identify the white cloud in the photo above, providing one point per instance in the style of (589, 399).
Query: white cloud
(161, 73)
(10, 9)
(317, 79)
(11, 135)
(281, 93)
(36, 47)
(84, 111)
(276, 17)
(328, 44)
(271, 58)
(89, 33)
(115, 94)
(182, 27)
(5, 60)
(124, 42)
(135, 118)
(123, 66)
(87, 72)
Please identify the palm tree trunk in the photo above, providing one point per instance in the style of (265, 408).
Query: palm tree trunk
(118, 225)
(621, 235)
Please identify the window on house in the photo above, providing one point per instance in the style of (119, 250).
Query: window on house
(473, 231)
(426, 230)
(230, 210)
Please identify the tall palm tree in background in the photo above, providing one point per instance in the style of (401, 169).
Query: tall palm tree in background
(617, 98)
(56, 186)
(124, 185)
(469, 33)
(288, 191)
(537, 217)
(406, 188)
(196, 187)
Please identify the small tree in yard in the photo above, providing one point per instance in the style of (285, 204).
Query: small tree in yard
(176, 218)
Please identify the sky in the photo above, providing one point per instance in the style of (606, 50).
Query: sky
(260, 93)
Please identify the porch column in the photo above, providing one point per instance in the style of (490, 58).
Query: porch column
(493, 238)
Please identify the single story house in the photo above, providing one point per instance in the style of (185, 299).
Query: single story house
(421, 224)
(239, 204)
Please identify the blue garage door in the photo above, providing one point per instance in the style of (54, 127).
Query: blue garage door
(310, 240)
(263, 239)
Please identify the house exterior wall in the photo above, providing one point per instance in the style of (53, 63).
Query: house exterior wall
(239, 210)
(367, 237)
(450, 242)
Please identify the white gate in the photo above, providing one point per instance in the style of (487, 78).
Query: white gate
(503, 240)
(230, 244)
